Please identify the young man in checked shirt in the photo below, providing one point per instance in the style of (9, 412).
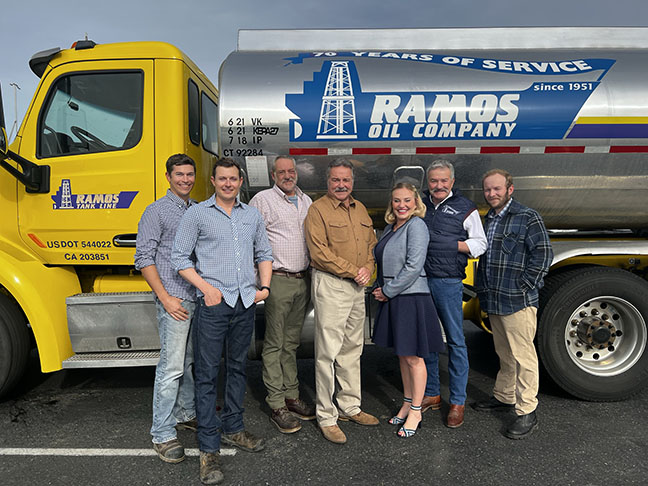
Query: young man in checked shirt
(509, 277)
(173, 390)
(284, 207)
(228, 238)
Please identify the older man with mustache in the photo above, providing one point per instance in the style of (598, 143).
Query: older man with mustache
(340, 238)
(456, 233)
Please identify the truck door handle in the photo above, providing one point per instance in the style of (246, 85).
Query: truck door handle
(125, 240)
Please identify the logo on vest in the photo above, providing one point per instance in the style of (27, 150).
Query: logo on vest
(449, 210)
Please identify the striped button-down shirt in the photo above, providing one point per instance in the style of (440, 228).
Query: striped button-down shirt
(155, 234)
(227, 246)
(285, 226)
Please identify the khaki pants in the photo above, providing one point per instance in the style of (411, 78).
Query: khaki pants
(517, 379)
(285, 309)
(339, 326)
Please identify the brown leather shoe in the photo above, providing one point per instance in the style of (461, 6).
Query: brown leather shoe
(285, 421)
(431, 403)
(334, 434)
(300, 408)
(455, 416)
(361, 418)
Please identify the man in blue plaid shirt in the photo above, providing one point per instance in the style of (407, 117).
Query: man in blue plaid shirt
(509, 277)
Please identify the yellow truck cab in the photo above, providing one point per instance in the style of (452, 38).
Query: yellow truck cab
(88, 158)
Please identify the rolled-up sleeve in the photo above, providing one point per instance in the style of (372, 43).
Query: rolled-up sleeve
(185, 241)
(262, 248)
(477, 242)
(149, 233)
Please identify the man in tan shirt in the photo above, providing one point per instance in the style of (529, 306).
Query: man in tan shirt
(340, 239)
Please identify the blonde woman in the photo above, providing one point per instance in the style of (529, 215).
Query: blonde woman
(407, 319)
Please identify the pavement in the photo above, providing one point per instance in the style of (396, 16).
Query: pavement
(91, 427)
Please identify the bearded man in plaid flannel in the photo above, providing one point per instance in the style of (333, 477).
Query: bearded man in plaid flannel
(509, 277)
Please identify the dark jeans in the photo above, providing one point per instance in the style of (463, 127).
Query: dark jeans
(220, 330)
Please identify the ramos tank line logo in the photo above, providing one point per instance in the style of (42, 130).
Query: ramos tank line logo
(65, 199)
(334, 106)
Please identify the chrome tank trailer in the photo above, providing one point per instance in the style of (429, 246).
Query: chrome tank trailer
(570, 122)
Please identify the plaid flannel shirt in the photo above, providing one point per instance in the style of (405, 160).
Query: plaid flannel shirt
(510, 274)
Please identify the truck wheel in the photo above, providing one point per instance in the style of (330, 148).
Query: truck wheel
(592, 332)
(14, 344)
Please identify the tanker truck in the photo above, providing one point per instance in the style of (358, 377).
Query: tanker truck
(564, 110)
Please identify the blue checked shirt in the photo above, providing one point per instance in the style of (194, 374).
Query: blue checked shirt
(155, 234)
(226, 247)
(510, 273)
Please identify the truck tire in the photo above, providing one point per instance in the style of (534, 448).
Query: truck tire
(14, 344)
(592, 332)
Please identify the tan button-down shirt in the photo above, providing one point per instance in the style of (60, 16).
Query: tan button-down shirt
(340, 240)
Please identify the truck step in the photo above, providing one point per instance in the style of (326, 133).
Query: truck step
(112, 360)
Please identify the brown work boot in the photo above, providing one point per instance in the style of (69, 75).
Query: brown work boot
(431, 403)
(285, 421)
(455, 416)
(361, 418)
(299, 407)
(170, 451)
(244, 440)
(210, 468)
(334, 434)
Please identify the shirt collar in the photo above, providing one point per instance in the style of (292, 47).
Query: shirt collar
(298, 192)
(178, 200)
(503, 212)
(336, 203)
(446, 198)
(212, 202)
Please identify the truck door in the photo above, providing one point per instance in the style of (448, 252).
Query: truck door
(95, 130)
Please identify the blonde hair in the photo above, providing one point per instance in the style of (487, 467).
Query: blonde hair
(420, 207)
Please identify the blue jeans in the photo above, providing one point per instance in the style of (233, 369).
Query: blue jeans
(173, 391)
(447, 294)
(220, 329)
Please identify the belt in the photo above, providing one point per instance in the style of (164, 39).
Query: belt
(346, 279)
(290, 274)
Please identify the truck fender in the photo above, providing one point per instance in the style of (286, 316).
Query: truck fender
(40, 293)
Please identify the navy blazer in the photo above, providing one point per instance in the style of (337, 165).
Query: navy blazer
(403, 259)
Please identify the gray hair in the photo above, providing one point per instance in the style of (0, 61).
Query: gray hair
(440, 164)
(342, 162)
(288, 157)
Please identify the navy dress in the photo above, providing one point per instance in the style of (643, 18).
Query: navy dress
(408, 323)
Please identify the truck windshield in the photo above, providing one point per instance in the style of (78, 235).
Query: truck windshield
(89, 113)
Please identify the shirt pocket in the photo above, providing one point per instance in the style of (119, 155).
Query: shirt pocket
(367, 230)
(510, 242)
(339, 232)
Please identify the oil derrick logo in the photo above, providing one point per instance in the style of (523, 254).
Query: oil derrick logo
(66, 195)
(337, 117)
(65, 199)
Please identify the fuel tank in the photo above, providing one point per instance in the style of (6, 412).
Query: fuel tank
(565, 111)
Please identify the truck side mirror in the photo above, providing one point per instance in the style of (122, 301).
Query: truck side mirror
(3, 142)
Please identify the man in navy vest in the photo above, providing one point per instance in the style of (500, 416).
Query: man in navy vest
(456, 233)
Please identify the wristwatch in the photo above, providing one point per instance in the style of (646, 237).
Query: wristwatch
(266, 288)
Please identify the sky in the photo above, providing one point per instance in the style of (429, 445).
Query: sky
(206, 30)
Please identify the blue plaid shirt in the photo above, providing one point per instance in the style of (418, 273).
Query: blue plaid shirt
(510, 274)
(155, 234)
(226, 247)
